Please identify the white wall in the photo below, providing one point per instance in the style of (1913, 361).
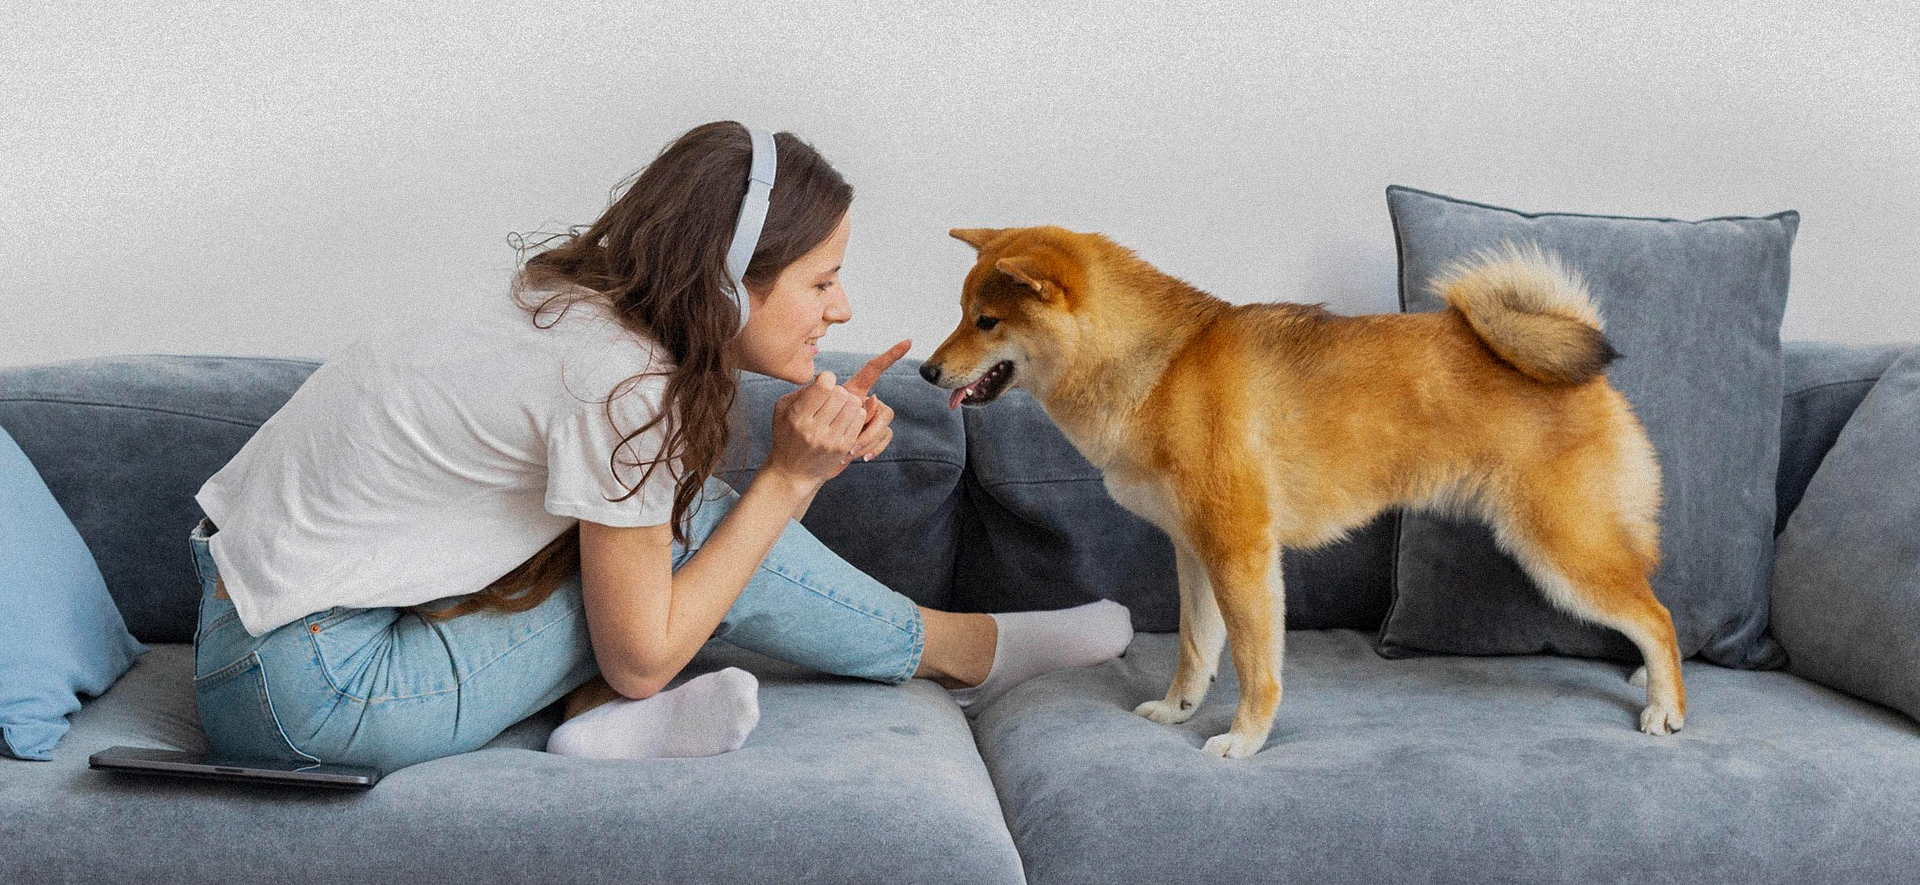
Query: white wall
(254, 180)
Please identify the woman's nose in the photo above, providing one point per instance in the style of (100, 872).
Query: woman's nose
(839, 310)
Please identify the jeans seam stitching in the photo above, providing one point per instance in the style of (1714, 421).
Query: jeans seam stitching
(225, 673)
(272, 718)
(919, 651)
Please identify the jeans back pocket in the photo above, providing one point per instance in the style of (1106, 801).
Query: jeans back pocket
(236, 712)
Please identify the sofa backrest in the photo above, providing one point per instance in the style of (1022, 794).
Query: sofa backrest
(1824, 384)
(124, 442)
(987, 509)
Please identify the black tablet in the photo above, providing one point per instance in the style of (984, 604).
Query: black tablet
(148, 760)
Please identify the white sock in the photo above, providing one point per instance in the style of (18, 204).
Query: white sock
(706, 716)
(1032, 643)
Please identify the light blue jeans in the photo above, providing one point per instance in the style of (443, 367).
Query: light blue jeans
(388, 688)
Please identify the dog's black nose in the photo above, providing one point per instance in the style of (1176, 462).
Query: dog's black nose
(930, 372)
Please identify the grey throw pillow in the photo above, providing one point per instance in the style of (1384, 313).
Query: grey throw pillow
(1694, 307)
(1846, 585)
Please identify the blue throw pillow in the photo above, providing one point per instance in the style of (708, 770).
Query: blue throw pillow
(61, 636)
(1694, 307)
(1846, 585)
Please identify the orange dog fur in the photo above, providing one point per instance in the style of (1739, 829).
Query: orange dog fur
(1243, 430)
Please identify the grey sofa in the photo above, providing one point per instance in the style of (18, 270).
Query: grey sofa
(1436, 769)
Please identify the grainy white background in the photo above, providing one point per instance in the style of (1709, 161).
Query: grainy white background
(278, 178)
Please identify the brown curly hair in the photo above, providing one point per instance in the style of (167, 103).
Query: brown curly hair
(657, 259)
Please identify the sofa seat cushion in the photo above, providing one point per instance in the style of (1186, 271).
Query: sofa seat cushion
(843, 781)
(1454, 769)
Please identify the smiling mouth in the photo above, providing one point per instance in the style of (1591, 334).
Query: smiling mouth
(986, 388)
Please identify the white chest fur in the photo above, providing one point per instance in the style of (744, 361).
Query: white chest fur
(1146, 496)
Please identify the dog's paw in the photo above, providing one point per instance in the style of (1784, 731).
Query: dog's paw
(1167, 713)
(1233, 746)
(1639, 677)
(1660, 719)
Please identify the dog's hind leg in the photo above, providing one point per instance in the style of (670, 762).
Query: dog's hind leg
(1586, 564)
(1202, 635)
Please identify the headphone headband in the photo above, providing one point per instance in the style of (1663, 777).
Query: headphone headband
(753, 216)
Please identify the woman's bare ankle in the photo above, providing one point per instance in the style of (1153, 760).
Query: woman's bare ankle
(959, 648)
(589, 695)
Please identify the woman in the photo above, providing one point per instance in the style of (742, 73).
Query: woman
(550, 458)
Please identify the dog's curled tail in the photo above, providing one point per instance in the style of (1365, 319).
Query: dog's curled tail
(1531, 310)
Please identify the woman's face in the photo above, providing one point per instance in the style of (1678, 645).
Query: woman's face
(783, 331)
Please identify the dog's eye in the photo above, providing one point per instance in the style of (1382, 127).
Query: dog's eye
(987, 322)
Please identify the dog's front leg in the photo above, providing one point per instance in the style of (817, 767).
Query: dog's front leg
(1251, 592)
(1202, 634)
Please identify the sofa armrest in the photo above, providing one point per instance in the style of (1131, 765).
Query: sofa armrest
(1825, 382)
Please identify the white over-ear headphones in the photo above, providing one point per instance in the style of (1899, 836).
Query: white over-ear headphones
(753, 216)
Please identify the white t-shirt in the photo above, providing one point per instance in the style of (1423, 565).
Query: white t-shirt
(426, 463)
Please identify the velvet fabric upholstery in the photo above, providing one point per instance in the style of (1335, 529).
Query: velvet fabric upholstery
(1453, 770)
(1043, 533)
(1437, 770)
(897, 517)
(1694, 307)
(124, 442)
(1824, 384)
(1846, 589)
(843, 781)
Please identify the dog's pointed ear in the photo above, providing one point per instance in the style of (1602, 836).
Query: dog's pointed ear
(976, 237)
(1031, 272)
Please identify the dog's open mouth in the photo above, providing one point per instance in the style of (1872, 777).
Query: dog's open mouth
(986, 388)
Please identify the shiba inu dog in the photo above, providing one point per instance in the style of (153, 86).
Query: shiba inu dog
(1242, 430)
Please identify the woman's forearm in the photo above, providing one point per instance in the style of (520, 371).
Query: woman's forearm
(800, 509)
(706, 587)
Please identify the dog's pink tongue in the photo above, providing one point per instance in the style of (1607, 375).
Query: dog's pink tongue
(953, 402)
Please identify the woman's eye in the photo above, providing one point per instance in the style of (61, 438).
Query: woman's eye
(987, 322)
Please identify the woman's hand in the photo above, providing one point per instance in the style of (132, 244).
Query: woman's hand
(821, 428)
(877, 433)
(815, 431)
